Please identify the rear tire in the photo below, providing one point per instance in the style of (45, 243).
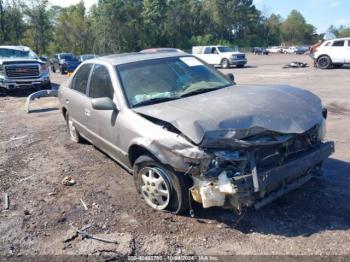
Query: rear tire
(324, 62)
(160, 187)
(73, 132)
(225, 63)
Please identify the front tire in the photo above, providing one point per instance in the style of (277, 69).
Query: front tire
(160, 187)
(225, 63)
(62, 70)
(46, 86)
(73, 132)
(324, 62)
(240, 66)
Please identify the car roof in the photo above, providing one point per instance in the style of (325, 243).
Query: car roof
(16, 47)
(126, 58)
(338, 39)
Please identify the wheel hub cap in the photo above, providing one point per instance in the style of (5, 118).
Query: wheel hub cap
(154, 187)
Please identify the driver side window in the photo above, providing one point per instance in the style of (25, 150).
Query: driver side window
(101, 83)
(81, 78)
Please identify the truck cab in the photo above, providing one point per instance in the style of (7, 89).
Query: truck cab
(221, 56)
(21, 68)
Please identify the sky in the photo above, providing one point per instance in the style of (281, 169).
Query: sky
(320, 13)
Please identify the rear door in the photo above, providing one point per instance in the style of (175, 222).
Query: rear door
(103, 123)
(76, 98)
(210, 55)
(347, 52)
(337, 51)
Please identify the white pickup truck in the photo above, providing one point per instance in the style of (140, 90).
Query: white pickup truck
(220, 56)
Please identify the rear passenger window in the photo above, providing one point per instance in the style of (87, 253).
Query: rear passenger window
(101, 84)
(207, 50)
(81, 78)
(348, 42)
(338, 43)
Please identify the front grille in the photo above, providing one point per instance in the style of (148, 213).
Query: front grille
(240, 56)
(22, 70)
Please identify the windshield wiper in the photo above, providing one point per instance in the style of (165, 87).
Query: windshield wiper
(155, 101)
(202, 90)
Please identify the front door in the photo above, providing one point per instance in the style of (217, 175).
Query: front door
(76, 99)
(103, 123)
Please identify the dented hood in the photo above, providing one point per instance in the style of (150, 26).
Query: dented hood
(219, 114)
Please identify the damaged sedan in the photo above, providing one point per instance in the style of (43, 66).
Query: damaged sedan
(188, 133)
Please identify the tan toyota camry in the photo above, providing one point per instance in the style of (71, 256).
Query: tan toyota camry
(187, 133)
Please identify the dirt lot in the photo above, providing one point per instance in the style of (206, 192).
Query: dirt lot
(35, 155)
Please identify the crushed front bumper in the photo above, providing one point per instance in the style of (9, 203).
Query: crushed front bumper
(260, 187)
(24, 83)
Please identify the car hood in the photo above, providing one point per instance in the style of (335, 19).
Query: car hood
(4, 61)
(234, 53)
(231, 112)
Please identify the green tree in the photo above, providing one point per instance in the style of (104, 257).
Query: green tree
(117, 26)
(273, 24)
(295, 30)
(72, 32)
(39, 27)
(341, 31)
(154, 14)
(12, 24)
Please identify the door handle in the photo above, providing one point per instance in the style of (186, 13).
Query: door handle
(87, 112)
(67, 101)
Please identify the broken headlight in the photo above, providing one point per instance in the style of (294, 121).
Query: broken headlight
(233, 162)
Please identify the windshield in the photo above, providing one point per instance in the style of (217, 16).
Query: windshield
(87, 57)
(159, 80)
(225, 49)
(68, 57)
(14, 53)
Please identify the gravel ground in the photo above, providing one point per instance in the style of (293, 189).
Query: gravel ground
(36, 154)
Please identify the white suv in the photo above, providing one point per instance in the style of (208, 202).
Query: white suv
(334, 53)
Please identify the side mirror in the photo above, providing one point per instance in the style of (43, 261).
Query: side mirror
(231, 77)
(103, 103)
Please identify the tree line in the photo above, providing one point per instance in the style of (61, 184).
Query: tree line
(114, 26)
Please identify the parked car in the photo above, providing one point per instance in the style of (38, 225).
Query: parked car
(294, 50)
(64, 63)
(274, 49)
(85, 57)
(161, 49)
(333, 53)
(220, 56)
(181, 126)
(21, 68)
(259, 51)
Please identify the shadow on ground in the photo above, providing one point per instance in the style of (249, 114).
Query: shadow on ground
(321, 204)
(22, 92)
